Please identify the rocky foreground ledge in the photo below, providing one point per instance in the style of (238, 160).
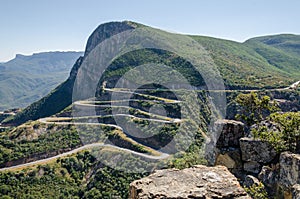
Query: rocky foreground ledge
(196, 182)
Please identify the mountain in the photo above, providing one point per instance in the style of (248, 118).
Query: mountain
(97, 155)
(267, 62)
(252, 64)
(281, 51)
(26, 79)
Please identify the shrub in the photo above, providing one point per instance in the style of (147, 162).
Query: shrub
(257, 191)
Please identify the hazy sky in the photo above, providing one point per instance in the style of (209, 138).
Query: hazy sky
(29, 26)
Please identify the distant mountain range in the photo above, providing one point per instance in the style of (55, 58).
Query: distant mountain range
(26, 79)
(46, 158)
(263, 62)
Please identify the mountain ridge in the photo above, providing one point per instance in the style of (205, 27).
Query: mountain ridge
(26, 79)
(242, 65)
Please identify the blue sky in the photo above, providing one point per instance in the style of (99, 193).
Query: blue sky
(49, 25)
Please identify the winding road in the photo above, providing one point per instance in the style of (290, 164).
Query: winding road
(87, 103)
(88, 146)
(66, 121)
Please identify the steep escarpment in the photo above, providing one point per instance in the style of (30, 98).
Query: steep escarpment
(250, 65)
(105, 31)
(61, 97)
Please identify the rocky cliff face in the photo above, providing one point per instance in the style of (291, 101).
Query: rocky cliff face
(196, 182)
(105, 31)
(254, 161)
(289, 175)
(61, 97)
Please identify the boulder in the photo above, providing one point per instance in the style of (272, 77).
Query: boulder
(255, 150)
(225, 137)
(196, 182)
(269, 177)
(296, 191)
(230, 132)
(230, 158)
(289, 169)
(226, 160)
(252, 167)
(250, 180)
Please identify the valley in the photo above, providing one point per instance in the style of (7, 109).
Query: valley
(92, 140)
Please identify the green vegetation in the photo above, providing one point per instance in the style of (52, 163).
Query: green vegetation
(137, 58)
(26, 79)
(60, 179)
(77, 176)
(54, 102)
(119, 138)
(193, 156)
(285, 134)
(257, 191)
(257, 63)
(242, 66)
(281, 51)
(36, 139)
(255, 108)
(282, 130)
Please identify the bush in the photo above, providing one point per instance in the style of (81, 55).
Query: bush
(257, 191)
(254, 108)
(285, 134)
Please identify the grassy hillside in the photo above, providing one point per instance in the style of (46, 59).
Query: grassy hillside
(242, 66)
(280, 51)
(259, 63)
(254, 64)
(26, 79)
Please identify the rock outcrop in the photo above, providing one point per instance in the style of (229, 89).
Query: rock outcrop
(296, 191)
(250, 181)
(289, 169)
(230, 133)
(269, 176)
(224, 147)
(105, 31)
(252, 167)
(247, 155)
(196, 182)
(255, 150)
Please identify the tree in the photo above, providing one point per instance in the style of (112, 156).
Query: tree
(254, 108)
(285, 132)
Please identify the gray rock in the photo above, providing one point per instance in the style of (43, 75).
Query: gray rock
(296, 191)
(255, 150)
(211, 153)
(250, 180)
(252, 167)
(196, 182)
(230, 132)
(289, 169)
(224, 137)
(269, 176)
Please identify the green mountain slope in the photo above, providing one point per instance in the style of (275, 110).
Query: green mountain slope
(26, 79)
(250, 65)
(242, 66)
(281, 51)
